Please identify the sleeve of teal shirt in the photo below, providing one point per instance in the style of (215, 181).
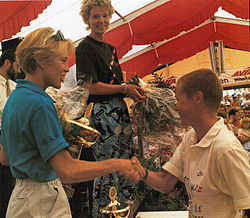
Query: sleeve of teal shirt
(47, 131)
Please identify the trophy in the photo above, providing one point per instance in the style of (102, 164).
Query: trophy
(82, 131)
(114, 208)
(84, 136)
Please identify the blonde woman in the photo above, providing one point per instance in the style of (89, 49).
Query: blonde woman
(32, 137)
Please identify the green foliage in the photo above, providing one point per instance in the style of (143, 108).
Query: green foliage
(134, 80)
(158, 81)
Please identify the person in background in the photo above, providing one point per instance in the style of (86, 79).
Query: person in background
(227, 100)
(241, 114)
(32, 137)
(9, 68)
(110, 115)
(244, 134)
(208, 154)
(246, 100)
(222, 111)
(234, 120)
(247, 111)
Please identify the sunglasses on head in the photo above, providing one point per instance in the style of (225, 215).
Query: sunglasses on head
(59, 36)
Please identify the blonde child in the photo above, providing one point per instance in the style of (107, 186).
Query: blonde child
(244, 134)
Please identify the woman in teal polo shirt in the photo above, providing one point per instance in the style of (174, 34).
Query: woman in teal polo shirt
(32, 137)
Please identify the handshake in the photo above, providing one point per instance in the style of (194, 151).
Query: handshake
(132, 169)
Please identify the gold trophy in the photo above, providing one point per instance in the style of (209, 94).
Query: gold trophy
(114, 208)
(86, 134)
(85, 137)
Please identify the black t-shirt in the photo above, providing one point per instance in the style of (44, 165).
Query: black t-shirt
(98, 60)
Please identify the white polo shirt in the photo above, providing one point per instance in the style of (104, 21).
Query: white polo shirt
(215, 171)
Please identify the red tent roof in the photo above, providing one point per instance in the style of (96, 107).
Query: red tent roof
(165, 19)
(187, 44)
(19, 13)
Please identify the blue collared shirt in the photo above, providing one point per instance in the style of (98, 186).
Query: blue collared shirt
(31, 132)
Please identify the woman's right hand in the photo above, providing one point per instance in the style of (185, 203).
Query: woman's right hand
(135, 92)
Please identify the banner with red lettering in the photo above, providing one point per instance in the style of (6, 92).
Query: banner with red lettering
(237, 77)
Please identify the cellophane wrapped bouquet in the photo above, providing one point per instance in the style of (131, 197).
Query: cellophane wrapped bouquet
(157, 125)
(157, 121)
(71, 103)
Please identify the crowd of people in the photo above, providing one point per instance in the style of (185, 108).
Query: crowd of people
(210, 159)
(235, 109)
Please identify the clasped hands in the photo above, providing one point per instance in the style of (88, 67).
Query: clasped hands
(132, 170)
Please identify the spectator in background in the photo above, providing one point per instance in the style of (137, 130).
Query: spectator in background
(234, 117)
(236, 102)
(9, 68)
(227, 101)
(247, 111)
(244, 134)
(246, 100)
(240, 98)
(222, 111)
(241, 114)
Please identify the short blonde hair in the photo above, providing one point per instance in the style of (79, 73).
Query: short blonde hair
(41, 44)
(87, 5)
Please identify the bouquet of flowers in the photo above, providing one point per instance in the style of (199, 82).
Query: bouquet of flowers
(157, 123)
(71, 103)
(156, 120)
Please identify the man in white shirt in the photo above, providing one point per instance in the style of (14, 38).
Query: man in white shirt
(9, 68)
(210, 160)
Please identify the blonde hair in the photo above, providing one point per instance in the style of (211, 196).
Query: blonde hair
(246, 120)
(87, 5)
(40, 44)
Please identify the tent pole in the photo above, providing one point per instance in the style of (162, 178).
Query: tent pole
(120, 15)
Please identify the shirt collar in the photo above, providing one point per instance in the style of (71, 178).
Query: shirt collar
(211, 134)
(2, 80)
(21, 83)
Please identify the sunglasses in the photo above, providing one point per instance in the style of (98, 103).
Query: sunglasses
(59, 36)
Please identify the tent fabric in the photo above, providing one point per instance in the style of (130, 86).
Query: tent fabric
(162, 22)
(233, 35)
(19, 13)
(187, 45)
(239, 8)
(168, 20)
